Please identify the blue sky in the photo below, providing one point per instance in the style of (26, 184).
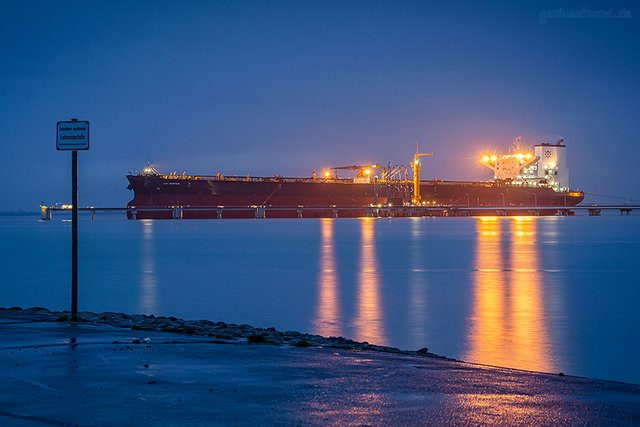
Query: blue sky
(268, 88)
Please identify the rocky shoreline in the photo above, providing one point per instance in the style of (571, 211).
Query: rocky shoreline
(227, 333)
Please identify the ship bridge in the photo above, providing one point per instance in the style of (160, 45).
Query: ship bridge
(545, 167)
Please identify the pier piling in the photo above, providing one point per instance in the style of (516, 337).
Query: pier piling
(45, 213)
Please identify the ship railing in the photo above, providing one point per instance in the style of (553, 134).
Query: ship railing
(272, 179)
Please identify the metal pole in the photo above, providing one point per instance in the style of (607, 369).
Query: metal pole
(74, 234)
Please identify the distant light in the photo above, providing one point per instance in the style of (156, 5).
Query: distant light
(416, 161)
(485, 159)
(494, 158)
(367, 171)
(327, 174)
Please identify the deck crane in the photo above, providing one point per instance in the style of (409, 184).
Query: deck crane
(415, 166)
(361, 170)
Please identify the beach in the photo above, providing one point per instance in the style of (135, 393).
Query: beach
(114, 368)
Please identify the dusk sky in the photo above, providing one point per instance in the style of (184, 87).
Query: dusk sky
(266, 88)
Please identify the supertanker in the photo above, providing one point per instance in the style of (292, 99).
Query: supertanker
(530, 180)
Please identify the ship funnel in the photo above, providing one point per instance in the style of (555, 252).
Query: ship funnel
(552, 164)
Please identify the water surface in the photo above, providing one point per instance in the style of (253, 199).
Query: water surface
(551, 294)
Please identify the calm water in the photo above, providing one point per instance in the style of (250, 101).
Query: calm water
(550, 294)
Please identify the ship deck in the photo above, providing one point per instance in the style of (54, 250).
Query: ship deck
(279, 179)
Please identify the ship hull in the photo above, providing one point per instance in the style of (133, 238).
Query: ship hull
(158, 197)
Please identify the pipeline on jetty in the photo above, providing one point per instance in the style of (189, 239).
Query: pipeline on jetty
(262, 212)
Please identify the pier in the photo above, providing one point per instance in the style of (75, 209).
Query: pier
(263, 212)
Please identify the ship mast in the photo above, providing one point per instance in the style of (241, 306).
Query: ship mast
(415, 166)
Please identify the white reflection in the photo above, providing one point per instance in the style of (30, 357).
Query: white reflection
(148, 296)
(417, 292)
(327, 321)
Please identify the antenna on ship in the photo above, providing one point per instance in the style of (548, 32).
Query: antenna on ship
(517, 144)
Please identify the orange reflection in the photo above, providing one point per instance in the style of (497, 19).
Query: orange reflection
(361, 409)
(327, 320)
(508, 324)
(368, 322)
(486, 333)
(529, 334)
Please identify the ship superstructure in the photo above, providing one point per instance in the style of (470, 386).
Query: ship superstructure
(545, 167)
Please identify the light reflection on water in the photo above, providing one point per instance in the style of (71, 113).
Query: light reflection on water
(418, 307)
(507, 321)
(529, 342)
(367, 320)
(327, 320)
(148, 290)
(369, 316)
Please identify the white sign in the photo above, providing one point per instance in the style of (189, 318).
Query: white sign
(73, 135)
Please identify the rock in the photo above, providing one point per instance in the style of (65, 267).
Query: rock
(216, 330)
(256, 339)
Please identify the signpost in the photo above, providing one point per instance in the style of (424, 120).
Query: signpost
(73, 136)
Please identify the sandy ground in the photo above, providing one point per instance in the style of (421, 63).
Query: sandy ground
(57, 372)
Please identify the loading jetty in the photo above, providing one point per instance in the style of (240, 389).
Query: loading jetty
(383, 211)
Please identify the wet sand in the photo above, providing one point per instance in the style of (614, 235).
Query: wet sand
(113, 368)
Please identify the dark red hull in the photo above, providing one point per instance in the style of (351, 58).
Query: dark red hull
(211, 197)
